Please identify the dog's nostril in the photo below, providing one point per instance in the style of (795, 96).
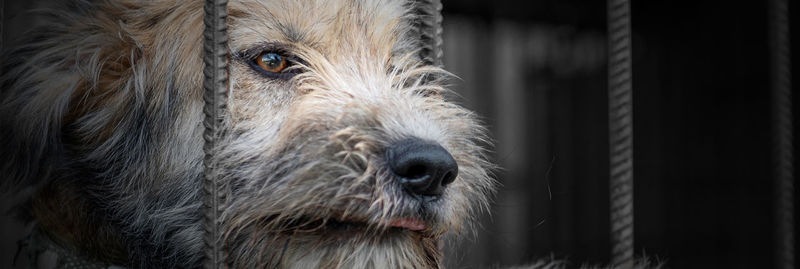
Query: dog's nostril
(415, 171)
(449, 177)
(422, 167)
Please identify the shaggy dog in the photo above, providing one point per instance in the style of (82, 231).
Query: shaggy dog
(340, 149)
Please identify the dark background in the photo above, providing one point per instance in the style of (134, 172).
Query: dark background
(536, 71)
(702, 145)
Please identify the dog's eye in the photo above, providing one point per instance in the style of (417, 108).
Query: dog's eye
(272, 62)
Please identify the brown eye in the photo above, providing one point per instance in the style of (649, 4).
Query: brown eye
(271, 62)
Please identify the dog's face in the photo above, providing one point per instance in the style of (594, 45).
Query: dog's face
(320, 103)
(340, 150)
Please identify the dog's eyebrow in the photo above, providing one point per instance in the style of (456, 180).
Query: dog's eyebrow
(258, 48)
(291, 34)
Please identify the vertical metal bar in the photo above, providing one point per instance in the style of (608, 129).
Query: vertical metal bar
(780, 60)
(620, 132)
(215, 95)
(2, 32)
(430, 29)
(2, 22)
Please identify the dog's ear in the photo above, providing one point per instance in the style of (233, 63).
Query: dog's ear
(61, 71)
(86, 77)
(40, 78)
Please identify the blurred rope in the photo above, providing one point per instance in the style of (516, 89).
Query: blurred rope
(620, 132)
(215, 95)
(430, 29)
(781, 73)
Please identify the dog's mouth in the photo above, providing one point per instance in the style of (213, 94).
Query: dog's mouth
(412, 224)
(332, 226)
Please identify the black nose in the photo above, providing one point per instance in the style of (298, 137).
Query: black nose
(423, 167)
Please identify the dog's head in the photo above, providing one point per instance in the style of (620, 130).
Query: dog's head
(340, 149)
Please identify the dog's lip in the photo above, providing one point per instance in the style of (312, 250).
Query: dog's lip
(352, 227)
(403, 223)
(413, 224)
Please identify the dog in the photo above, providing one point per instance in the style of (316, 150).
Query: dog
(340, 148)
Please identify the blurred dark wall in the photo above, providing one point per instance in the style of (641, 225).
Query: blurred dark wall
(703, 182)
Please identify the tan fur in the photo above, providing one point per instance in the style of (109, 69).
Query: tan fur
(108, 102)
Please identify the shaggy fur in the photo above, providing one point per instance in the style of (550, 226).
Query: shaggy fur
(101, 115)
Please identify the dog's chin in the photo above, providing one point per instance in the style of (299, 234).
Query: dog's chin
(339, 244)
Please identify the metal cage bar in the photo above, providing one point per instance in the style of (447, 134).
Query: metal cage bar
(430, 30)
(620, 105)
(215, 95)
(2, 22)
(781, 77)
